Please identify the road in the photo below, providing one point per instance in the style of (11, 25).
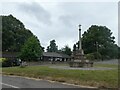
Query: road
(21, 82)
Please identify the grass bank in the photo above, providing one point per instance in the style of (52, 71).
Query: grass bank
(103, 78)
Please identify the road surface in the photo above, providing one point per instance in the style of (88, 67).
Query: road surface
(21, 82)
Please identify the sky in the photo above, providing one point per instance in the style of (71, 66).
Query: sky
(59, 20)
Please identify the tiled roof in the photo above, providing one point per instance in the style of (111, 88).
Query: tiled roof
(54, 54)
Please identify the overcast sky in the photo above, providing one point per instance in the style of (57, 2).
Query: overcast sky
(59, 20)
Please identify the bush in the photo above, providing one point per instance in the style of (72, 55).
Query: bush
(9, 62)
(90, 56)
(97, 55)
(2, 59)
(6, 63)
(93, 56)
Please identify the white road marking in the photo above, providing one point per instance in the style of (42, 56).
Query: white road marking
(50, 81)
(9, 85)
(79, 85)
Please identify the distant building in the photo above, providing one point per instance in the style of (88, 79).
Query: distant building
(10, 55)
(46, 56)
(53, 56)
(12, 59)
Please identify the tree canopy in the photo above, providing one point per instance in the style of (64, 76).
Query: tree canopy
(52, 47)
(98, 41)
(66, 50)
(14, 34)
(31, 50)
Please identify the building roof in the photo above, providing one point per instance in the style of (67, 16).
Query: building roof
(54, 54)
(10, 54)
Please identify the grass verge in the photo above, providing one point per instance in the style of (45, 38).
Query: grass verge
(97, 78)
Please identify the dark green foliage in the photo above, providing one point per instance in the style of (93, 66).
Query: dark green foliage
(52, 47)
(99, 41)
(14, 34)
(10, 62)
(31, 50)
(42, 48)
(118, 52)
(7, 63)
(74, 47)
(93, 56)
(66, 50)
(16, 37)
(90, 56)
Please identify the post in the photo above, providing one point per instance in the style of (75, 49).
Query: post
(80, 47)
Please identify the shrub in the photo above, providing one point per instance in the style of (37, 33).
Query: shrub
(90, 56)
(6, 63)
(93, 56)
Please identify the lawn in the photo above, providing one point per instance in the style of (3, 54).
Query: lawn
(97, 78)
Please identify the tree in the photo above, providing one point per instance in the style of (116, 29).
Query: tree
(66, 50)
(74, 47)
(14, 34)
(31, 50)
(118, 52)
(99, 40)
(52, 47)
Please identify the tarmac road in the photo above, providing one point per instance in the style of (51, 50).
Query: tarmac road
(21, 82)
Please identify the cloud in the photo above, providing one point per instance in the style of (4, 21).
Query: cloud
(88, 13)
(35, 10)
(60, 21)
(66, 20)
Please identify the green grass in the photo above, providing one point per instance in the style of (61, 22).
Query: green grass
(99, 78)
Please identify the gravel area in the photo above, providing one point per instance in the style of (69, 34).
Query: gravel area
(85, 68)
(113, 61)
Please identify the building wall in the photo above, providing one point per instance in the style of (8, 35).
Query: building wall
(44, 58)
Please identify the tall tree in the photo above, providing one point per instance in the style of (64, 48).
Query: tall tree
(31, 50)
(14, 34)
(66, 50)
(52, 47)
(99, 39)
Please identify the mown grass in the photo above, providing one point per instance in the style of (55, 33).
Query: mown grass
(97, 78)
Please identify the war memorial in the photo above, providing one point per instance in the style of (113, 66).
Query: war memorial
(78, 58)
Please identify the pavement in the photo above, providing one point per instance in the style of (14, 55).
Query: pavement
(22, 82)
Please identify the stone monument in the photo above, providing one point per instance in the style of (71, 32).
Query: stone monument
(79, 53)
(78, 58)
